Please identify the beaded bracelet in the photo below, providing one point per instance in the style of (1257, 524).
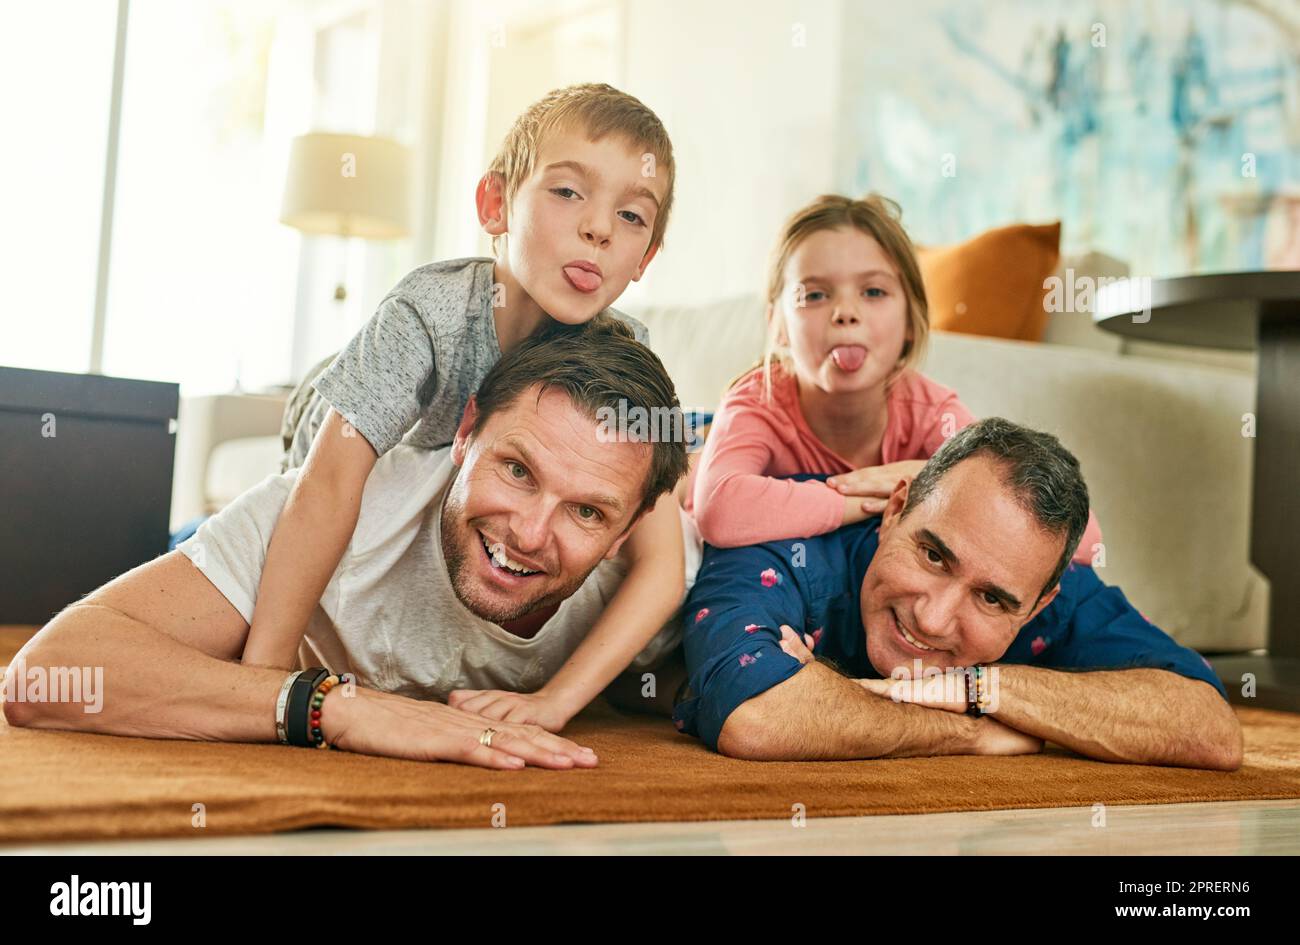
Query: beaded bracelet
(983, 680)
(314, 732)
(306, 696)
(976, 691)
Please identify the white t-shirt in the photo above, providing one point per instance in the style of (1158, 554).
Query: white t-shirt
(389, 613)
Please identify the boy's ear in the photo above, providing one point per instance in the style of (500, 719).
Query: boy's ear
(461, 442)
(645, 261)
(490, 198)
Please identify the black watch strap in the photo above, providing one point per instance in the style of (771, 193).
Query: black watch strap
(299, 698)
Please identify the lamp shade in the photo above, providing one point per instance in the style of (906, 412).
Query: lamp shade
(348, 185)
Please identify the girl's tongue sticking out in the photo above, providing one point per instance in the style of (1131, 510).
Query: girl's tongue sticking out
(849, 357)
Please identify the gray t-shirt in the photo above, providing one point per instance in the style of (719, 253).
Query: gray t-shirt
(389, 613)
(407, 375)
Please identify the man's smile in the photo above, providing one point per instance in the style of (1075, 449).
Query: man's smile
(503, 562)
(907, 638)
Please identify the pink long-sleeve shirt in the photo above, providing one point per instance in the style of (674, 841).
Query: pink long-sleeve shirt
(735, 498)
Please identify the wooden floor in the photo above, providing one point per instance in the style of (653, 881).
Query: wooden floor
(1236, 828)
(1229, 828)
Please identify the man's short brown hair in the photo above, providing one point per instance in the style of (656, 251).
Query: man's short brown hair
(603, 368)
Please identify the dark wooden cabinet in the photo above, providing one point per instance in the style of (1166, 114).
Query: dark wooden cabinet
(85, 484)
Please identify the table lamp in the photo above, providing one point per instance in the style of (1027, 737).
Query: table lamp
(348, 186)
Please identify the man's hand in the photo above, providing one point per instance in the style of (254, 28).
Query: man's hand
(900, 690)
(875, 483)
(992, 738)
(379, 723)
(945, 690)
(522, 707)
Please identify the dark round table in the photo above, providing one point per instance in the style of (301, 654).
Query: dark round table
(1244, 311)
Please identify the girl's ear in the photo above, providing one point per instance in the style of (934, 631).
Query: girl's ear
(909, 338)
(774, 315)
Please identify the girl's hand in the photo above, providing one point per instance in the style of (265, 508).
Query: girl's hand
(799, 649)
(533, 708)
(875, 483)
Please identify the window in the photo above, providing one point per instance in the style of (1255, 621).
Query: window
(54, 106)
(202, 278)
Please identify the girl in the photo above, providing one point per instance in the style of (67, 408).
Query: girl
(835, 391)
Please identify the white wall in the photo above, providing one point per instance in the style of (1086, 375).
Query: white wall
(500, 57)
(752, 117)
(747, 91)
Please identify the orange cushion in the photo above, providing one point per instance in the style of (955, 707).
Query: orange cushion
(992, 284)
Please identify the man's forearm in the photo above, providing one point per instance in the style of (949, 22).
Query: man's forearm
(1145, 716)
(153, 685)
(818, 714)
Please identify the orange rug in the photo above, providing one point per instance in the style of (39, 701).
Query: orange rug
(65, 785)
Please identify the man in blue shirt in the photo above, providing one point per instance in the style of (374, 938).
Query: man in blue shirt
(969, 565)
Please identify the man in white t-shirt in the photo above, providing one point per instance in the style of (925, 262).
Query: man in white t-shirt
(393, 614)
(430, 595)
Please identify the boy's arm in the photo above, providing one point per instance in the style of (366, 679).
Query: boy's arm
(645, 600)
(308, 542)
(648, 597)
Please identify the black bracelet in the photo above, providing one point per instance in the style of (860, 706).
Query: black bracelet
(298, 716)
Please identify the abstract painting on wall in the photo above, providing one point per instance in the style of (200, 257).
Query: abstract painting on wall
(1164, 133)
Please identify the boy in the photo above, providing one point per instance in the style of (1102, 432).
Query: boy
(580, 193)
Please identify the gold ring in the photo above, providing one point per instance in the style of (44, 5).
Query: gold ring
(486, 737)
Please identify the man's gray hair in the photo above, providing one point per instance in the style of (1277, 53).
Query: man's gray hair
(1043, 476)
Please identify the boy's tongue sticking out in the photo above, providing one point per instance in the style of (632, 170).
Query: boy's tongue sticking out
(582, 278)
(849, 357)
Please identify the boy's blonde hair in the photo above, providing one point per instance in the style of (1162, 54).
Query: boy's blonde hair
(598, 110)
(878, 217)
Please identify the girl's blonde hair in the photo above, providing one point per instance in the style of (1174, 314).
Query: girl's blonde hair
(878, 217)
(596, 110)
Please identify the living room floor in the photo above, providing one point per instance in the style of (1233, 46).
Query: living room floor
(1223, 828)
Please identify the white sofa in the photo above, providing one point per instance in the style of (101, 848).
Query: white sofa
(1159, 440)
(224, 444)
